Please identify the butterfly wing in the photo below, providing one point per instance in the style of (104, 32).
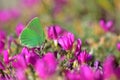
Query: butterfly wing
(33, 35)
(37, 27)
(30, 38)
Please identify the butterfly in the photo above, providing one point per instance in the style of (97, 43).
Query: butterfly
(33, 35)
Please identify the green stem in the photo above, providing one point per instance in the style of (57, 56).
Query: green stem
(33, 73)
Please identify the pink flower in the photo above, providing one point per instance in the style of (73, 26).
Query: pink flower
(15, 13)
(1, 66)
(78, 47)
(50, 60)
(2, 35)
(118, 46)
(66, 41)
(98, 75)
(29, 3)
(9, 14)
(4, 16)
(20, 74)
(72, 75)
(117, 72)
(59, 4)
(79, 44)
(109, 67)
(2, 40)
(6, 56)
(19, 29)
(96, 65)
(86, 73)
(2, 44)
(84, 57)
(19, 62)
(32, 57)
(54, 31)
(46, 66)
(106, 25)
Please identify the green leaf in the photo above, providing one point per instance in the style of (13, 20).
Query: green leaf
(33, 35)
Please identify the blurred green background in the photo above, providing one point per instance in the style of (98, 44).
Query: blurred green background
(72, 12)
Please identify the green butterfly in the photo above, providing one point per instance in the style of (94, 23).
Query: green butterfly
(33, 35)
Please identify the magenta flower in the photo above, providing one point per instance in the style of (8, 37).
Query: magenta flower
(20, 74)
(46, 66)
(27, 54)
(25, 51)
(2, 77)
(15, 13)
(96, 65)
(2, 35)
(19, 29)
(5, 77)
(1, 66)
(86, 73)
(32, 57)
(4, 16)
(2, 40)
(9, 14)
(118, 46)
(29, 3)
(106, 25)
(40, 69)
(6, 56)
(54, 31)
(111, 63)
(2, 44)
(117, 72)
(50, 60)
(79, 44)
(84, 57)
(78, 47)
(72, 75)
(59, 4)
(66, 41)
(19, 62)
(98, 75)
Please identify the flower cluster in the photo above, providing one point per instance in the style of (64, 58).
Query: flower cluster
(60, 54)
(62, 57)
